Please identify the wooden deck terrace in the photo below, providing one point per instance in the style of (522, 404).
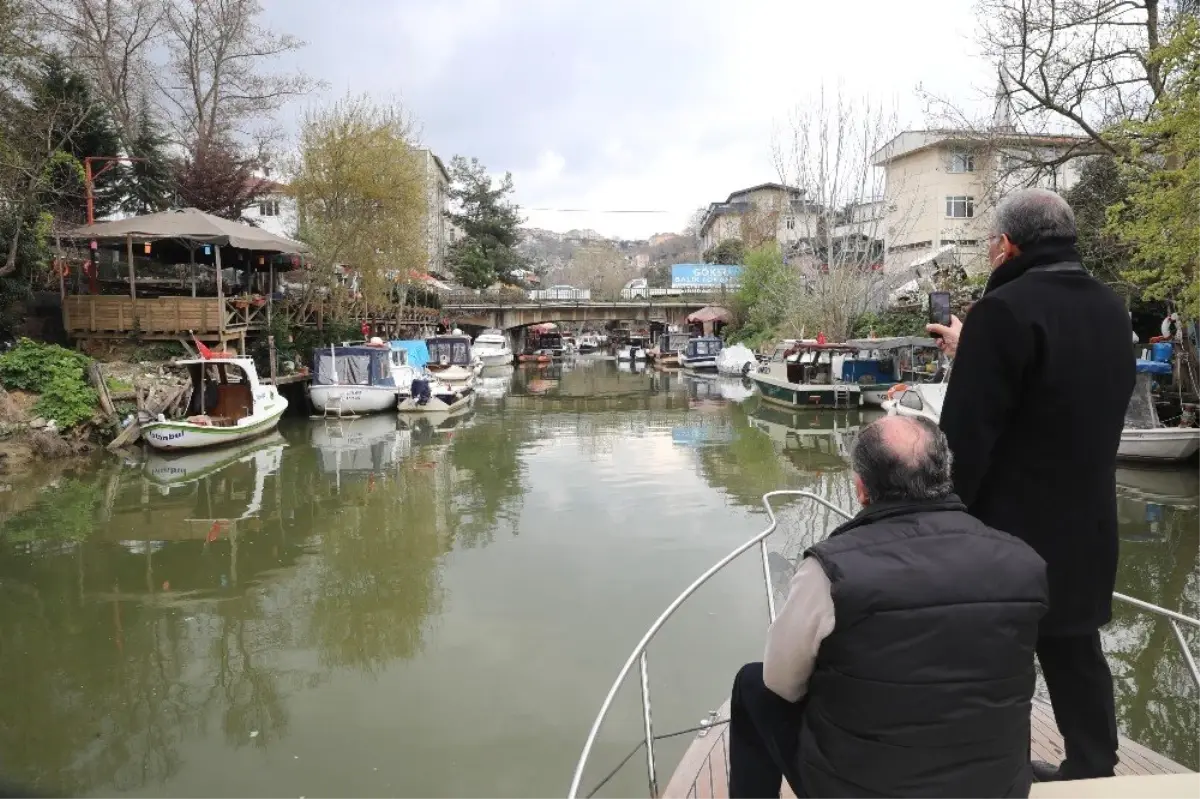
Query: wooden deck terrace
(105, 316)
(703, 773)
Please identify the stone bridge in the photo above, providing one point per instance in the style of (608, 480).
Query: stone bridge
(513, 315)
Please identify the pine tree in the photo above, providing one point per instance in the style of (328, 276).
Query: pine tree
(489, 221)
(146, 181)
(85, 128)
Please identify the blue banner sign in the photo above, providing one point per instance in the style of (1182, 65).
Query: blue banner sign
(705, 276)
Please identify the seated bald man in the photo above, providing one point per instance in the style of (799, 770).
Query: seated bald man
(901, 663)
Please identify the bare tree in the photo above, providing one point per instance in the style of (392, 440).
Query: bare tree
(600, 267)
(1073, 67)
(216, 82)
(835, 245)
(109, 41)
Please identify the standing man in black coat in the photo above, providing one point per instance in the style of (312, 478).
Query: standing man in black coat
(1041, 380)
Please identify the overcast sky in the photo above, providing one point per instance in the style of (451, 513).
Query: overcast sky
(607, 105)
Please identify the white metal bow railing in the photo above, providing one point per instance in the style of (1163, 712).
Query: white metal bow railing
(639, 652)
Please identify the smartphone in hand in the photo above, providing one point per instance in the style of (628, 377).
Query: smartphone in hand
(939, 307)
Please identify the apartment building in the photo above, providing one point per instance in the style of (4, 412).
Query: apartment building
(438, 229)
(760, 213)
(943, 184)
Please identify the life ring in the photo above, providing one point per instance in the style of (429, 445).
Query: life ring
(1170, 328)
(896, 389)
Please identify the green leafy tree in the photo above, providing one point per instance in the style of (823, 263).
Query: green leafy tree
(729, 251)
(765, 301)
(1157, 220)
(489, 221)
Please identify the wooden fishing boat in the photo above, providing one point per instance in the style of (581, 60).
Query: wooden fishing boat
(800, 374)
(228, 404)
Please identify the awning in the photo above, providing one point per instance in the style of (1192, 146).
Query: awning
(933, 256)
(711, 313)
(189, 224)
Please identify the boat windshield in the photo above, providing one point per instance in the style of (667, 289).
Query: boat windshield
(484, 344)
(705, 346)
(455, 350)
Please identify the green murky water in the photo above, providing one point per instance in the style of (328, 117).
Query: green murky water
(369, 608)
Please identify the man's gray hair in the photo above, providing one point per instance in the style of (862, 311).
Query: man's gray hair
(1030, 215)
(903, 458)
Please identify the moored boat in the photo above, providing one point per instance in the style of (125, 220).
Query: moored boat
(635, 350)
(433, 395)
(666, 354)
(882, 363)
(736, 361)
(492, 348)
(800, 374)
(451, 360)
(1145, 438)
(228, 404)
(700, 353)
(588, 342)
(361, 378)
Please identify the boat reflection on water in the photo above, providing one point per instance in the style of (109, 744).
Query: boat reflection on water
(702, 385)
(494, 382)
(362, 446)
(632, 367)
(432, 428)
(821, 437)
(1151, 503)
(173, 471)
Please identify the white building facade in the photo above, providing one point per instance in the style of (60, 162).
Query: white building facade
(941, 187)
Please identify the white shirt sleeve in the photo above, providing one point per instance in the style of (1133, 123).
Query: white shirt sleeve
(804, 621)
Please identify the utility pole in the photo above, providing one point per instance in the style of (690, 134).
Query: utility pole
(89, 182)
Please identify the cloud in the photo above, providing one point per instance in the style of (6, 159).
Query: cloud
(627, 105)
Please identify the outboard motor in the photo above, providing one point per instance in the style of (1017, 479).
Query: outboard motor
(420, 391)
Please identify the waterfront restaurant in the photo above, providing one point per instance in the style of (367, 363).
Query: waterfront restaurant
(167, 275)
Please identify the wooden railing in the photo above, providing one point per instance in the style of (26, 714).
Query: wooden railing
(102, 314)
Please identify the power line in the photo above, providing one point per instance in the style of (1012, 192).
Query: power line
(599, 210)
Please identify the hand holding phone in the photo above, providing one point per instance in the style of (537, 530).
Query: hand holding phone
(939, 308)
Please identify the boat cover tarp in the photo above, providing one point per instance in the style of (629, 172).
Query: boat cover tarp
(418, 351)
(1140, 414)
(1152, 367)
(348, 366)
(732, 360)
(455, 349)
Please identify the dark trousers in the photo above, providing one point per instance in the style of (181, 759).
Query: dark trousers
(1081, 691)
(764, 738)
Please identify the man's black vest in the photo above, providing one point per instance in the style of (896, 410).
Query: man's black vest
(924, 686)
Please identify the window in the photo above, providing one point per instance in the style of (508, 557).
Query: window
(268, 208)
(960, 207)
(962, 162)
(790, 222)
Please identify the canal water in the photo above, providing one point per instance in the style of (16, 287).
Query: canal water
(437, 607)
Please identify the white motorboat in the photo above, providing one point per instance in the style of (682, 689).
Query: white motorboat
(635, 350)
(451, 360)
(735, 361)
(921, 399)
(492, 348)
(800, 374)
(228, 404)
(700, 354)
(1145, 438)
(356, 379)
(588, 342)
(432, 395)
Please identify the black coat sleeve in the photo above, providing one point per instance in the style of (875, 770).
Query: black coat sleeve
(985, 388)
